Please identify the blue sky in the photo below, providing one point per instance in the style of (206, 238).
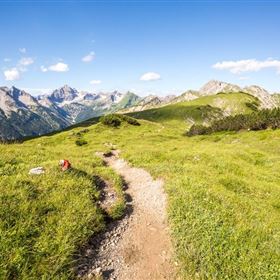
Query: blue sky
(155, 46)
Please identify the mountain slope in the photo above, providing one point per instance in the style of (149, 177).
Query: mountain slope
(84, 105)
(148, 102)
(66, 106)
(276, 98)
(129, 100)
(267, 100)
(186, 96)
(201, 110)
(215, 87)
(22, 115)
(211, 88)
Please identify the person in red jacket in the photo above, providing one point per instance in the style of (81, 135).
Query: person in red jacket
(64, 164)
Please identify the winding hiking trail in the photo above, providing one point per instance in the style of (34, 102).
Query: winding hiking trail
(138, 247)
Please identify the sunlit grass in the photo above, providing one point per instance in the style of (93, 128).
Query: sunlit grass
(223, 198)
(45, 218)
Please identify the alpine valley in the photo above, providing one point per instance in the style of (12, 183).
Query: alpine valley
(23, 115)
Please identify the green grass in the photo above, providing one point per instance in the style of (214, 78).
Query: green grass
(223, 197)
(45, 218)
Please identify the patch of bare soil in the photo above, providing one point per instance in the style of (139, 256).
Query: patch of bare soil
(137, 247)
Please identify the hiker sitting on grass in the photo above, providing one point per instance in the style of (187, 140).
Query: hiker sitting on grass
(64, 164)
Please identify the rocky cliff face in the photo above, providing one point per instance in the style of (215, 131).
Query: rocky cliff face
(148, 102)
(186, 96)
(214, 87)
(22, 115)
(267, 100)
(63, 94)
(80, 106)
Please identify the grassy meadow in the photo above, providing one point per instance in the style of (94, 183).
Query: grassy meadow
(223, 196)
(45, 218)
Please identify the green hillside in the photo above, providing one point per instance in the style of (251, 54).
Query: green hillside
(44, 219)
(201, 110)
(130, 99)
(223, 193)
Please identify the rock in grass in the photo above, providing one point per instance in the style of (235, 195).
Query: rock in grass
(37, 171)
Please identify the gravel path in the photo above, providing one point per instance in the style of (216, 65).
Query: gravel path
(138, 247)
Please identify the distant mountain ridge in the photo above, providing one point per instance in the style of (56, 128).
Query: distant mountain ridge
(83, 105)
(213, 87)
(22, 114)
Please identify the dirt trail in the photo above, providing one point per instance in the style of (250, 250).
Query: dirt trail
(138, 247)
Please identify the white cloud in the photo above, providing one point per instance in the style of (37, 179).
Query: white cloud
(89, 57)
(43, 68)
(150, 76)
(58, 67)
(95, 82)
(249, 65)
(12, 74)
(22, 50)
(25, 61)
(15, 72)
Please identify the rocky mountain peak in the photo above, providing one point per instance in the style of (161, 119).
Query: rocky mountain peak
(167, 98)
(214, 87)
(22, 98)
(89, 96)
(115, 96)
(63, 94)
(15, 92)
(150, 99)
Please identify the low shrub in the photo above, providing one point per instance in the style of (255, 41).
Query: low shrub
(260, 120)
(129, 120)
(198, 129)
(111, 120)
(115, 120)
(252, 105)
(80, 142)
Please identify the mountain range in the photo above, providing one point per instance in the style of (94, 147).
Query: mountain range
(22, 114)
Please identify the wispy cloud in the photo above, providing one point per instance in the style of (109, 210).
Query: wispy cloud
(95, 82)
(25, 61)
(6, 59)
(89, 57)
(58, 67)
(249, 65)
(150, 76)
(12, 74)
(22, 50)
